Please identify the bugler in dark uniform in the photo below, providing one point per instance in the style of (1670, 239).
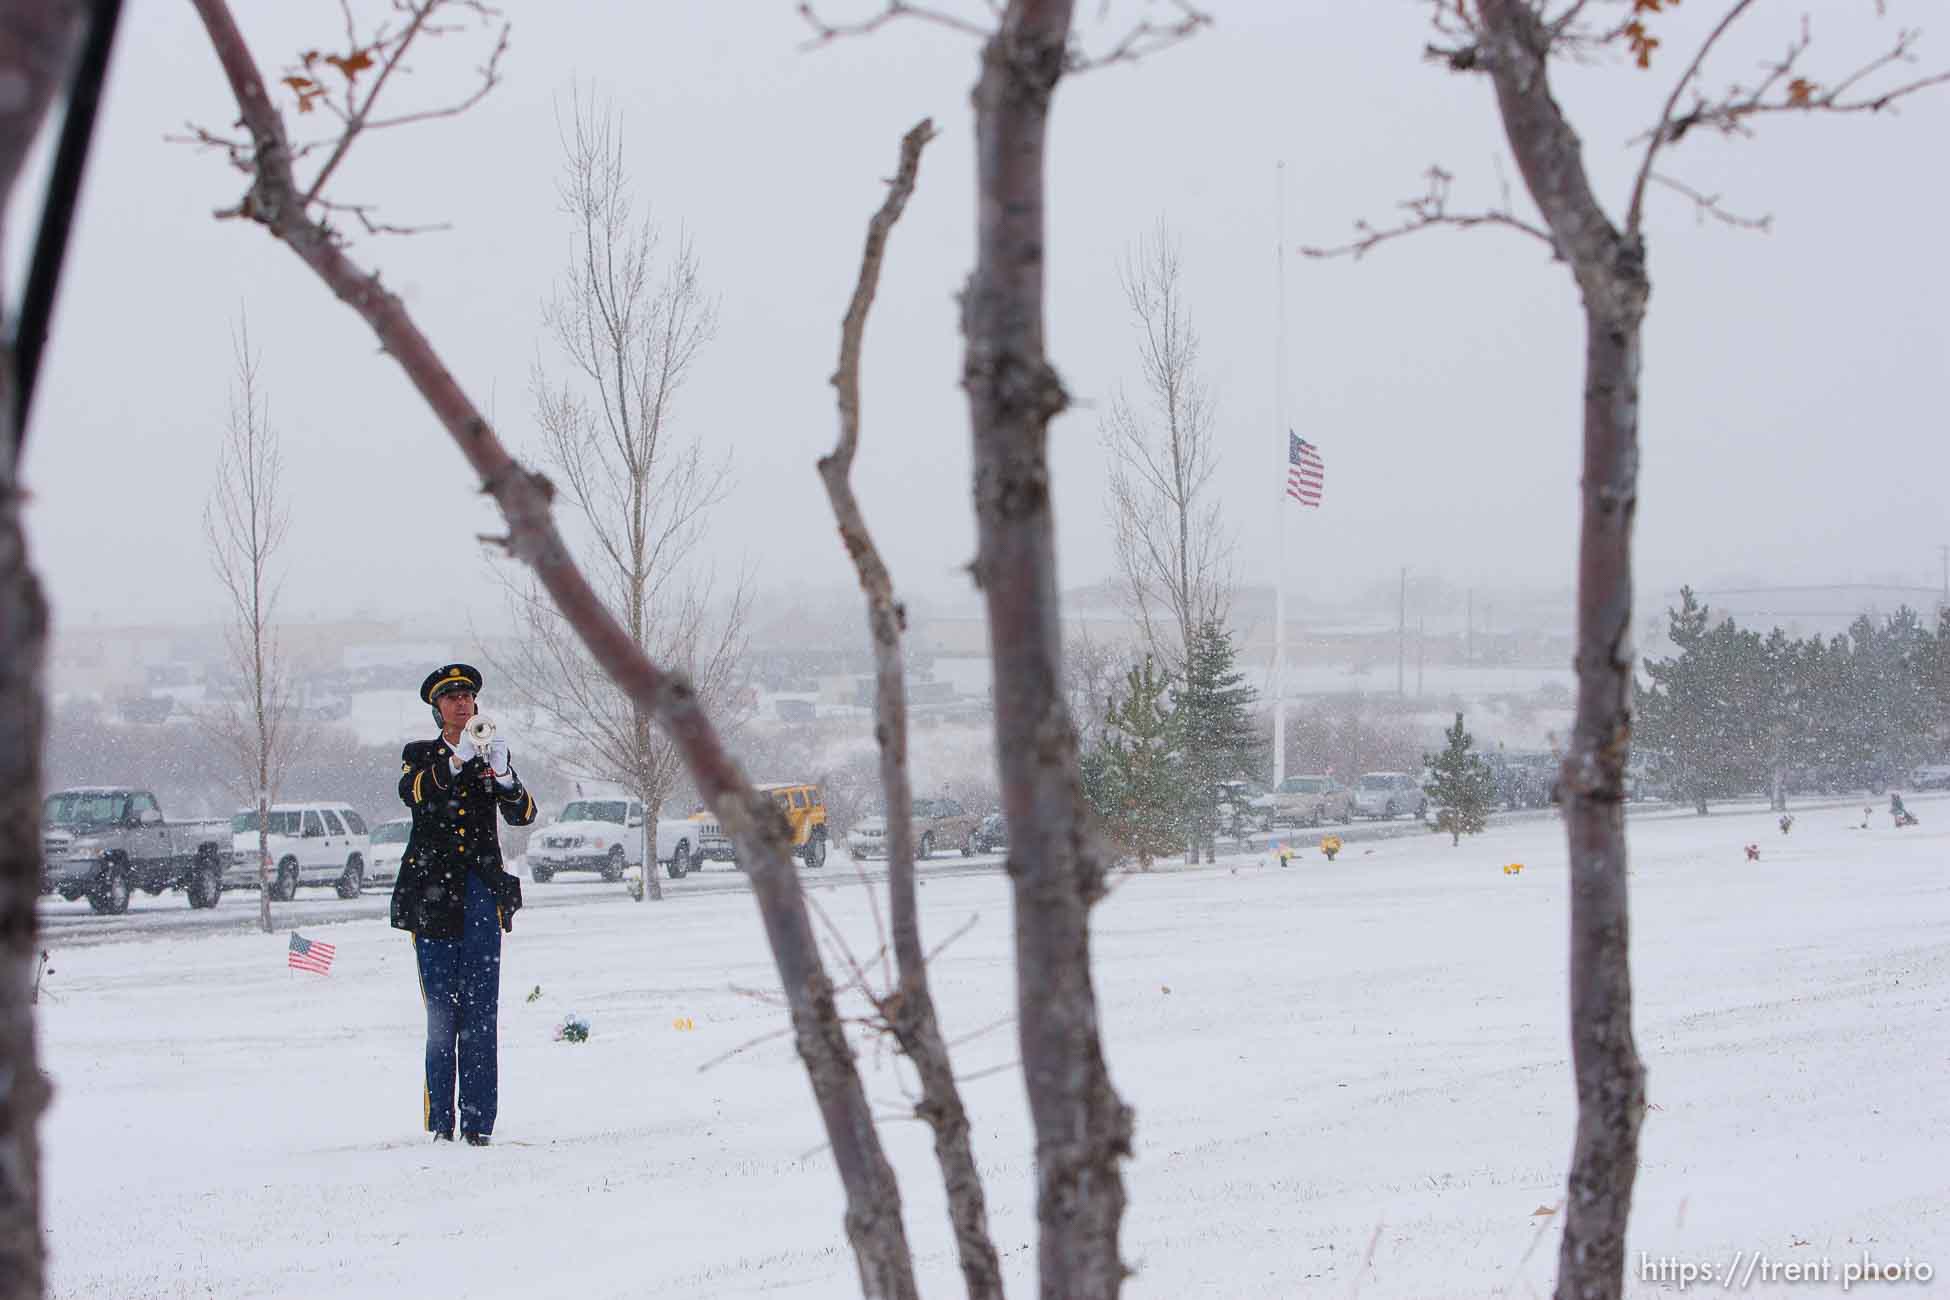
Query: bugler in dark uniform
(456, 899)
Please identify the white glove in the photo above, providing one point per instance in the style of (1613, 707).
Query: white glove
(497, 755)
(464, 749)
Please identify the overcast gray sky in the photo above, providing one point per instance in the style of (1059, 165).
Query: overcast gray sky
(1793, 422)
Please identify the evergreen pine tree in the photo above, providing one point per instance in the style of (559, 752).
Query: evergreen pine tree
(1099, 787)
(1937, 678)
(1216, 738)
(1702, 715)
(1140, 780)
(1463, 789)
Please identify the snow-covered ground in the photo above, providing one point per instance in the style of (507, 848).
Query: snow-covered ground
(1349, 1078)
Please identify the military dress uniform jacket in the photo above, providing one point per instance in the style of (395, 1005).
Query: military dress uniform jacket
(454, 832)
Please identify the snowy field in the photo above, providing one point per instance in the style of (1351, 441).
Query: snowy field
(1350, 1079)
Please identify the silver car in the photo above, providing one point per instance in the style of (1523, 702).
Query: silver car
(938, 824)
(1389, 794)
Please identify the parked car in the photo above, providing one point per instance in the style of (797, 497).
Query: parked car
(1930, 776)
(306, 844)
(103, 842)
(605, 835)
(1244, 806)
(805, 816)
(388, 843)
(938, 824)
(1638, 777)
(1528, 779)
(992, 836)
(1312, 799)
(1389, 794)
(589, 835)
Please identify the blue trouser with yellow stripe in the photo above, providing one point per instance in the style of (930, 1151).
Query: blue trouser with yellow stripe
(460, 982)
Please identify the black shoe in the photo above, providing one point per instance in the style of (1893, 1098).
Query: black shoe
(443, 1135)
(476, 1139)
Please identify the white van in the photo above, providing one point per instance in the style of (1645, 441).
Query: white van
(309, 844)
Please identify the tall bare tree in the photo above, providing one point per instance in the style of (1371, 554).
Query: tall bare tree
(39, 43)
(1515, 42)
(1173, 551)
(629, 323)
(245, 522)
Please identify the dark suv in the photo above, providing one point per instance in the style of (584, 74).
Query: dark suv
(992, 836)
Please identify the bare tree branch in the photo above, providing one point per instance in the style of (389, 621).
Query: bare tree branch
(825, 33)
(909, 1007)
(1781, 89)
(363, 212)
(1635, 206)
(1143, 39)
(1709, 206)
(1426, 211)
(353, 103)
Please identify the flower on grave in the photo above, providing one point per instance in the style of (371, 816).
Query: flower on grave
(573, 1029)
(1330, 845)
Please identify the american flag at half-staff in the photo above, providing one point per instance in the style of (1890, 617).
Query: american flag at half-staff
(1306, 475)
(309, 954)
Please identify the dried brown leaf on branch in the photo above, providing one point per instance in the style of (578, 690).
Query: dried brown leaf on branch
(306, 89)
(351, 65)
(1642, 43)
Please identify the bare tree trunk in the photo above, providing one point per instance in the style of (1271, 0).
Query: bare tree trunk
(909, 1009)
(263, 863)
(23, 719)
(39, 40)
(1083, 1129)
(262, 732)
(1610, 271)
(754, 823)
(652, 799)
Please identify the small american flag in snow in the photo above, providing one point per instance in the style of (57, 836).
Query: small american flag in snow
(309, 954)
(1305, 474)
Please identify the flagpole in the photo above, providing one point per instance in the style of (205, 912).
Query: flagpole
(1280, 441)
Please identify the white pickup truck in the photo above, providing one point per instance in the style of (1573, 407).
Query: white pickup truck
(104, 842)
(605, 836)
